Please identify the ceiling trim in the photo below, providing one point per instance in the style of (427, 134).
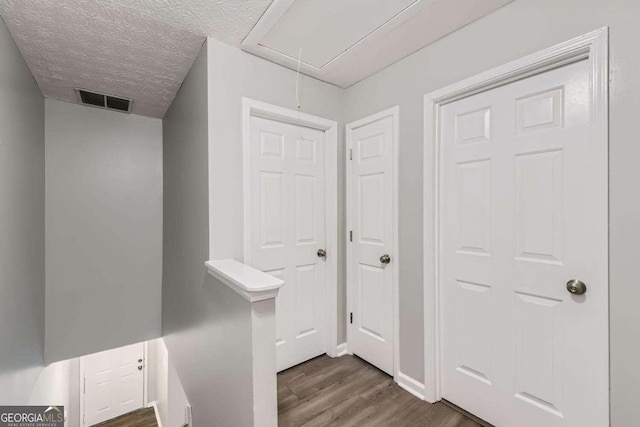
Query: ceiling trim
(278, 8)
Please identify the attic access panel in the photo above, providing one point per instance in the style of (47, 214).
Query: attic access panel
(325, 29)
(345, 41)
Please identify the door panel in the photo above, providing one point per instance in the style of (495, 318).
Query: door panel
(113, 383)
(517, 216)
(371, 300)
(272, 209)
(474, 305)
(539, 201)
(474, 207)
(371, 281)
(287, 229)
(538, 346)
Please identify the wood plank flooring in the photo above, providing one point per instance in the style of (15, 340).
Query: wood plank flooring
(145, 417)
(348, 392)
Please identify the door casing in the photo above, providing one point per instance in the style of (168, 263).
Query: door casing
(254, 108)
(394, 113)
(592, 47)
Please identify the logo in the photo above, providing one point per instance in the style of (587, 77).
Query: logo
(31, 416)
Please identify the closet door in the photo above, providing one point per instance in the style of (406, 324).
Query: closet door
(524, 293)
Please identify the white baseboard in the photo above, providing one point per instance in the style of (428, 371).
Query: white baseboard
(342, 349)
(412, 386)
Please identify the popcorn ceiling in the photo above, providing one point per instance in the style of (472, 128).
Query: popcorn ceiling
(140, 49)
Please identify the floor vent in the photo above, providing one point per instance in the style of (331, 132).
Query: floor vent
(102, 100)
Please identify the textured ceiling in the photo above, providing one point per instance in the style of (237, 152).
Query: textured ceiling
(139, 49)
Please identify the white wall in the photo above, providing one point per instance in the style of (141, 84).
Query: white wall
(234, 74)
(518, 29)
(21, 226)
(103, 229)
(56, 384)
(53, 386)
(59, 384)
(176, 409)
(164, 385)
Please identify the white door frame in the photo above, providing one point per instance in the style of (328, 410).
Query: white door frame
(394, 113)
(592, 47)
(254, 108)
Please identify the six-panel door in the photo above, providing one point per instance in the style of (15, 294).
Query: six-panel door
(517, 215)
(112, 383)
(287, 230)
(372, 238)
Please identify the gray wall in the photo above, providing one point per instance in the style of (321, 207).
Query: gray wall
(21, 226)
(206, 326)
(234, 74)
(103, 229)
(518, 29)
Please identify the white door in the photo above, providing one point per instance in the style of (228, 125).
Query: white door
(288, 229)
(112, 383)
(372, 260)
(518, 222)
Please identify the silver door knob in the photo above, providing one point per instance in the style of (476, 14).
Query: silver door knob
(322, 253)
(385, 259)
(576, 287)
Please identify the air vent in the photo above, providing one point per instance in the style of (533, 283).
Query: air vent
(91, 98)
(102, 100)
(120, 104)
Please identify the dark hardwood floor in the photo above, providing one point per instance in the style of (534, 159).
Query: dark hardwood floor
(347, 391)
(145, 417)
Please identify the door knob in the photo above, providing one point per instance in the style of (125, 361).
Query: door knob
(385, 259)
(322, 253)
(576, 287)
(139, 368)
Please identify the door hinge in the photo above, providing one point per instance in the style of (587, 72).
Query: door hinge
(350, 154)
(350, 317)
(351, 235)
(84, 385)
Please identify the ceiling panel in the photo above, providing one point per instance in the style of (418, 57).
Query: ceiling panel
(324, 29)
(345, 41)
